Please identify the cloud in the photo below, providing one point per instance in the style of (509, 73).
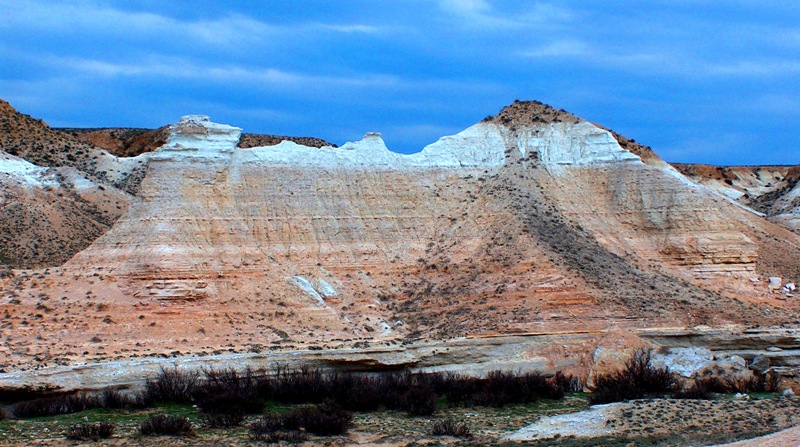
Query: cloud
(349, 29)
(657, 60)
(482, 14)
(465, 7)
(157, 67)
(565, 48)
(230, 32)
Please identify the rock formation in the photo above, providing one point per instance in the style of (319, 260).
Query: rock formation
(771, 190)
(48, 214)
(531, 223)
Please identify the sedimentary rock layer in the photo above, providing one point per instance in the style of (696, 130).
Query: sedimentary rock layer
(532, 221)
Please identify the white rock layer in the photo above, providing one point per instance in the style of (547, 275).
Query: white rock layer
(24, 172)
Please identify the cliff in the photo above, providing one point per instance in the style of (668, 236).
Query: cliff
(530, 222)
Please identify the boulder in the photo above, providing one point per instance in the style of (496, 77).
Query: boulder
(759, 364)
(685, 362)
(727, 368)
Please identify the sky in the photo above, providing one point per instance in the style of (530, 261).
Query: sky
(704, 81)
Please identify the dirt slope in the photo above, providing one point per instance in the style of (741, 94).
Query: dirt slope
(772, 190)
(533, 221)
(122, 142)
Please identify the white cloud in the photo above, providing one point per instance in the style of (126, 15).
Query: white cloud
(658, 60)
(349, 29)
(565, 48)
(231, 32)
(465, 6)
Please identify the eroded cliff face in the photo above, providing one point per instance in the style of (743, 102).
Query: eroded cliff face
(48, 214)
(532, 222)
(770, 190)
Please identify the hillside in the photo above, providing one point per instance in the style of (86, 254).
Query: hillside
(131, 142)
(121, 142)
(526, 240)
(48, 215)
(34, 141)
(771, 190)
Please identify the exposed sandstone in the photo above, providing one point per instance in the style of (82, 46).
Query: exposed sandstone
(514, 226)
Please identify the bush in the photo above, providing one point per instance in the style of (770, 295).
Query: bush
(501, 388)
(419, 400)
(265, 430)
(229, 419)
(161, 424)
(172, 385)
(93, 432)
(270, 422)
(639, 379)
(449, 427)
(697, 390)
(327, 419)
(227, 391)
(307, 385)
(117, 399)
(52, 406)
(272, 428)
(357, 392)
(566, 384)
(759, 383)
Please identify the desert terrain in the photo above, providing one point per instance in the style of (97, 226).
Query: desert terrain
(531, 241)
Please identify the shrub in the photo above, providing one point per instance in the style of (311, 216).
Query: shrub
(449, 427)
(419, 400)
(325, 420)
(172, 385)
(272, 428)
(566, 384)
(260, 431)
(228, 419)
(697, 390)
(270, 422)
(307, 385)
(227, 391)
(357, 392)
(52, 406)
(161, 424)
(93, 432)
(501, 388)
(117, 399)
(460, 390)
(637, 380)
(759, 383)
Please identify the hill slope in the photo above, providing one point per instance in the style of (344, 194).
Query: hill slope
(47, 215)
(531, 222)
(772, 190)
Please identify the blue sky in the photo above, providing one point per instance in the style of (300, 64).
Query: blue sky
(712, 81)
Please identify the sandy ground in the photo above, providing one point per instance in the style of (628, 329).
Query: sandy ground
(666, 417)
(585, 424)
(785, 438)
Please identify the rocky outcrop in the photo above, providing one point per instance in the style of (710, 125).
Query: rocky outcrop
(249, 140)
(34, 141)
(122, 142)
(531, 222)
(771, 190)
(131, 142)
(49, 214)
